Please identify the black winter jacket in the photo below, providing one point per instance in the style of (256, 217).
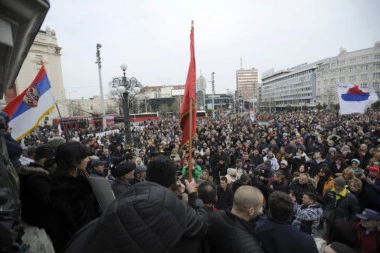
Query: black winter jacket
(145, 218)
(73, 206)
(35, 194)
(229, 233)
(345, 208)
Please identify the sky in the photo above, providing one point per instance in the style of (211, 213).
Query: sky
(152, 37)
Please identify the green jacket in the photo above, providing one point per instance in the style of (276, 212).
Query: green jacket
(196, 173)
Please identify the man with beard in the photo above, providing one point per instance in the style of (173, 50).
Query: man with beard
(232, 231)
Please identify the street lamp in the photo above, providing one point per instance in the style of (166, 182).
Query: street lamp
(125, 87)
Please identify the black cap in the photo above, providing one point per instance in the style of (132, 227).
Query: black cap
(122, 169)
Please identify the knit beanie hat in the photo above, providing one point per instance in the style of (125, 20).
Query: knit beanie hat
(122, 169)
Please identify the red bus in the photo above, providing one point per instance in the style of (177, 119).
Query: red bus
(139, 117)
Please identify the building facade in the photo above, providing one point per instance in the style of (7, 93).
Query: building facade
(44, 48)
(247, 84)
(294, 87)
(360, 67)
(201, 92)
(92, 106)
(222, 102)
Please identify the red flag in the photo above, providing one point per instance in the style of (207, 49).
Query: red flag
(189, 96)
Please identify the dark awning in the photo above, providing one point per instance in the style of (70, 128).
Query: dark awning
(20, 21)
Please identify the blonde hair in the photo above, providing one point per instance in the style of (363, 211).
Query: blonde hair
(349, 173)
(357, 183)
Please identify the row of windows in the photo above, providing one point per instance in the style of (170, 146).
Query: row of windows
(354, 60)
(350, 69)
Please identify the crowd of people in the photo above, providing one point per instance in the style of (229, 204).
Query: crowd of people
(301, 182)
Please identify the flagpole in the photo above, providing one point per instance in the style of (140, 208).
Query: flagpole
(63, 125)
(190, 174)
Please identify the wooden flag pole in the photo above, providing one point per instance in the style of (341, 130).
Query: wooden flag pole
(190, 168)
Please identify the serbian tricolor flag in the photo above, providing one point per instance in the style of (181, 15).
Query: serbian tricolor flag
(31, 106)
(189, 96)
(353, 99)
(252, 114)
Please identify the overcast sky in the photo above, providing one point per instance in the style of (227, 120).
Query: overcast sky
(152, 37)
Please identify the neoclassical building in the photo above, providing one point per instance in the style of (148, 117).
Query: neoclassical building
(45, 48)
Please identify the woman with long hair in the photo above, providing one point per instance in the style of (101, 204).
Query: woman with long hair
(73, 201)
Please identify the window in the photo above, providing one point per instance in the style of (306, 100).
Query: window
(332, 81)
(363, 85)
(342, 79)
(364, 77)
(353, 60)
(333, 64)
(364, 67)
(352, 70)
(376, 85)
(376, 56)
(342, 62)
(364, 58)
(376, 66)
(341, 71)
(376, 75)
(352, 78)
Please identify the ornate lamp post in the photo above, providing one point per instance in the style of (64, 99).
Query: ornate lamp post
(125, 87)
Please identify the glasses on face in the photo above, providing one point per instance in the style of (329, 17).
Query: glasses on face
(354, 162)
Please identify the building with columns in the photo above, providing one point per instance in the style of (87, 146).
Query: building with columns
(45, 48)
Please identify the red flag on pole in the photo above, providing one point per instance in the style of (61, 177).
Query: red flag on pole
(187, 121)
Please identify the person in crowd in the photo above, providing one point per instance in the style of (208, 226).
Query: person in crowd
(367, 230)
(299, 158)
(13, 147)
(355, 186)
(355, 168)
(105, 156)
(206, 175)
(73, 201)
(239, 168)
(317, 163)
(161, 170)
(286, 170)
(35, 186)
(152, 204)
(265, 171)
(308, 215)
(278, 183)
(123, 173)
(339, 202)
(231, 175)
(139, 175)
(341, 231)
(232, 231)
(219, 170)
(348, 175)
(371, 189)
(207, 193)
(225, 195)
(347, 154)
(243, 180)
(282, 155)
(97, 168)
(256, 158)
(323, 181)
(337, 165)
(276, 234)
(274, 163)
(196, 171)
(299, 186)
(363, 155)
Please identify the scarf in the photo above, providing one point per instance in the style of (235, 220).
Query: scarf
(341, 194)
